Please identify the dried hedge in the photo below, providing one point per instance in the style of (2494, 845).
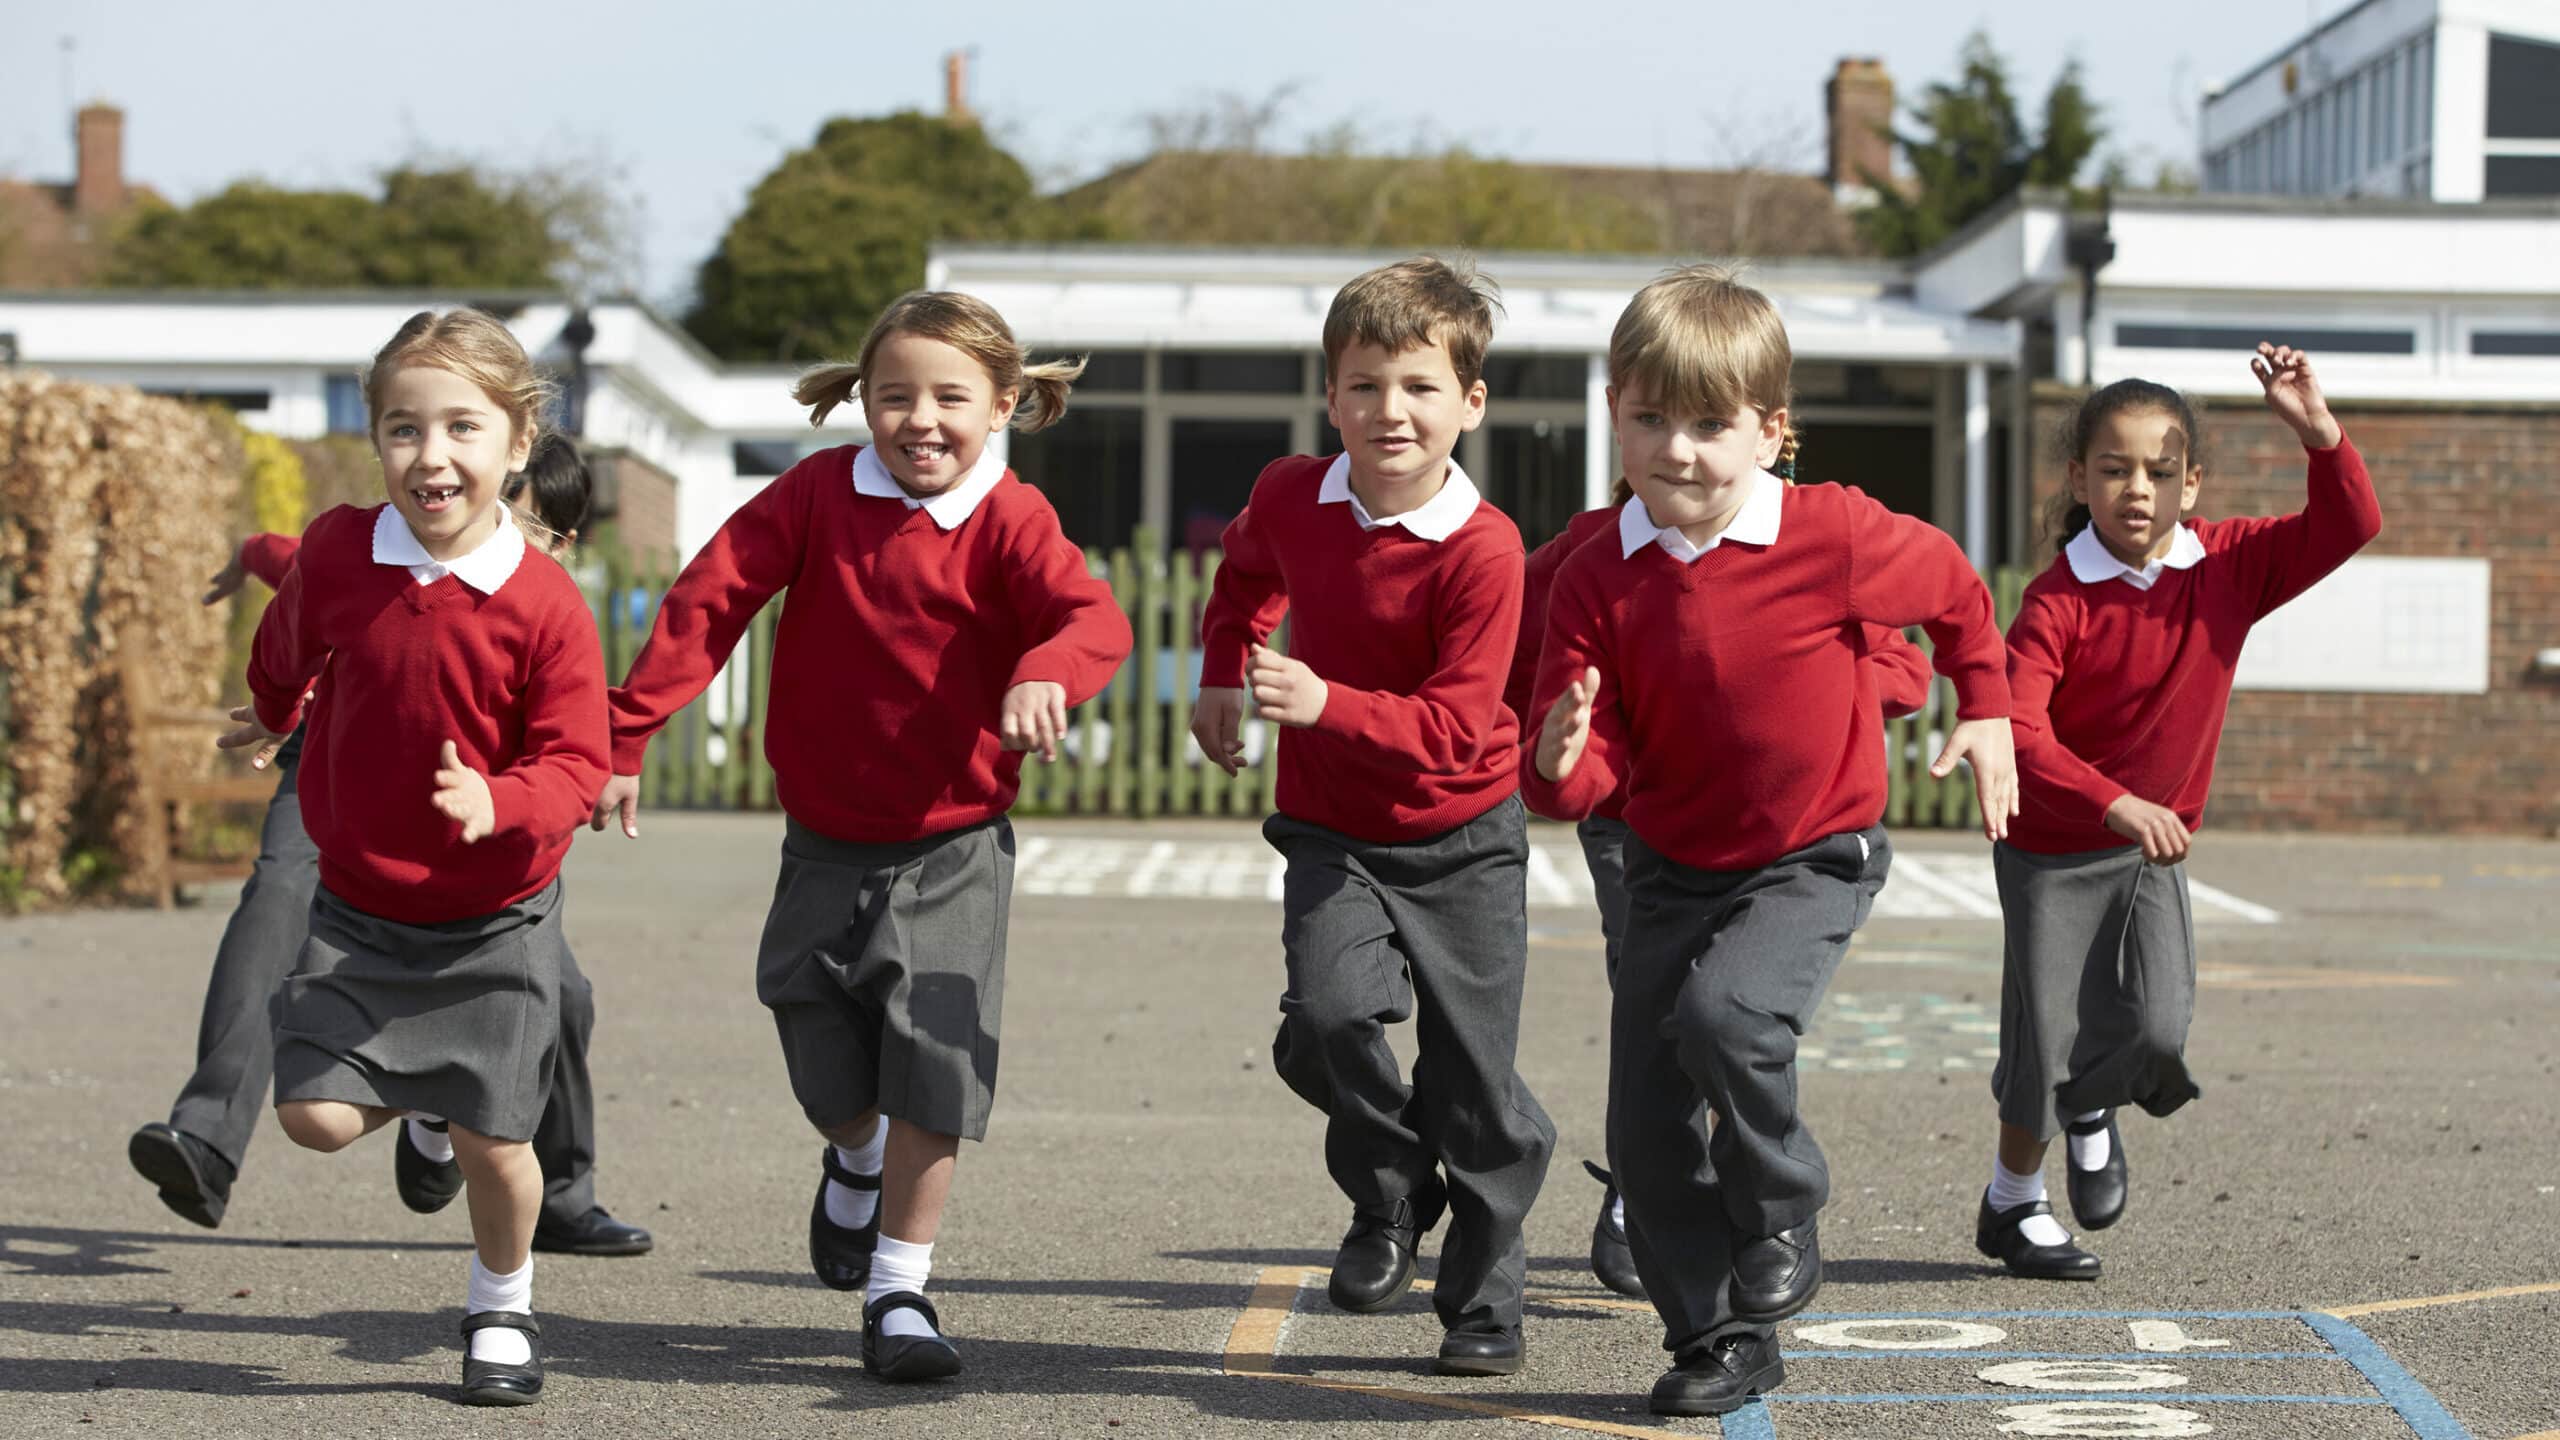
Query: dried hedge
(114, 507)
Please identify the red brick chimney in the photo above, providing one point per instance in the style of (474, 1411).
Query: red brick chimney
(955, 88)
(97, 188)
(1859, 103)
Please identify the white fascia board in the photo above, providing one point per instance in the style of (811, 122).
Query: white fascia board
(105, 330)
(2339, 253)
(2525, 19)
(2019, 253)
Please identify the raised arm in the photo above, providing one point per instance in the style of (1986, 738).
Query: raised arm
(2288, 554)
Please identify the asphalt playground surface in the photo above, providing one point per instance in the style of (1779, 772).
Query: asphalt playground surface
(2356, 1233)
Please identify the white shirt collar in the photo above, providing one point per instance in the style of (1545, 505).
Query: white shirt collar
(484, 569)
(871, 477)
(1435, 519)
(2092, 561)
(1756, 523)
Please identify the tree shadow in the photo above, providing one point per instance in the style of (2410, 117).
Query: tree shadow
(62, 1252)
(1157, 1295)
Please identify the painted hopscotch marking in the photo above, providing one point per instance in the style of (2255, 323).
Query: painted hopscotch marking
(1946, 885)
(2174, 1373)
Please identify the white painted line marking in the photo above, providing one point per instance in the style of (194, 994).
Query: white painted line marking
(2245, 909)
(1142, 881)
(1918, 872)
(1546, 879)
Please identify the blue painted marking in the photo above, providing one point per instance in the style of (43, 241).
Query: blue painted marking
(2050, 1397)
(2427, 1418)
(2154, 1357)
(2061, 1315)
(1751, 1422)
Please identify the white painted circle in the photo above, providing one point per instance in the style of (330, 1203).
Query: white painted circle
(2082, 1375)
(1946, 1334)
(2108, 1418)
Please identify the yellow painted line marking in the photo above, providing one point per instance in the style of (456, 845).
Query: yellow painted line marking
(2541, 1435)
(2386, 1307)
(2519, 872)
(2307, 977)
(2404, 882)
(1596, 1302)
(1253, 1353)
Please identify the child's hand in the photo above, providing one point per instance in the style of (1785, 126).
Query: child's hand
(227, 581)
(1567, 728)
(1217, 725)
(1284, 690)
(621, 793)
(1035, 717)
(1987, 745)
(2293, 392)
(2162, 835)
(252, 733)
(462, 795)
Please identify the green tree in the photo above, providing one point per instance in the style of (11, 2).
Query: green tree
(428, 229)
(1972, 150)
(840, 228)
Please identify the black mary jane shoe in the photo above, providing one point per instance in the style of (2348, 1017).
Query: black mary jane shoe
(1613, 1263)
(1719, 1377)
(1996, 1234)
(194, 1179)
(2097, 1196)
(1775, 1276)
(594, 1233)
(1481, 1352)
(426, 1186)
(902, 1358)
(486, 1382)
(839, 1255)
(1375, 1265)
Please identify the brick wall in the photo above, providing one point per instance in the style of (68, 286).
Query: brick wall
(2453, 481)
(644, 500)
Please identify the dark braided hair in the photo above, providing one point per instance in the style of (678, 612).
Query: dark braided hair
(2068, 517)
(1787, 448)
(563, 491)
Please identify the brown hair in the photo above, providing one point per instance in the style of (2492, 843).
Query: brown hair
(2066, 517)
(474, 345)
(966, 324)
(1700, 342)
(1412, 303)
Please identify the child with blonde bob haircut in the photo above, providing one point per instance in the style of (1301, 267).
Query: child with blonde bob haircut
(1707, 658)
(455, 737)
(939, 624)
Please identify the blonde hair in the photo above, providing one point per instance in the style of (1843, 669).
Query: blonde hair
(1413, 303)
(1699, 342)
(966, 324)
(474, 345)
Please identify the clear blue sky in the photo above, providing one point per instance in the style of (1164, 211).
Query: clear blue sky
(690, 103)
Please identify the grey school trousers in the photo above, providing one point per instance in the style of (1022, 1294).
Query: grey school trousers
(235, 1039)
(1721, 972)
(1436, 931)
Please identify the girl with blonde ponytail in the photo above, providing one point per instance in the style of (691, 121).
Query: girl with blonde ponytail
(938, 626)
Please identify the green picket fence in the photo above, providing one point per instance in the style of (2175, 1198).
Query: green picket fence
(1129, 750)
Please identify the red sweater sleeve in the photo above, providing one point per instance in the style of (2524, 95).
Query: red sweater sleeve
(1537, 579)
(1906, 571)
(1576, 640)
(1440, 728)
(2050, 775)
(1246, 600)
(754, 555)
(286, 657)
(552, 787)
(268, 557)
(1079, 632)
(1899, 668)
(2288, 554)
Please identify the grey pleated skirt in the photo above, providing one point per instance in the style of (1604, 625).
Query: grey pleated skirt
(2097, 985)
(457, 1019)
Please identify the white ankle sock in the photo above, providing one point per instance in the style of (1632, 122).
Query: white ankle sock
(847, 1206)
(898, 1265)
(2009, 1191)
(1618, 1210)
(2088, 1152)
(435, 1144)
(500, 1292)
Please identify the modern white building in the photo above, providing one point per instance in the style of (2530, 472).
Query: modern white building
(2451, 100)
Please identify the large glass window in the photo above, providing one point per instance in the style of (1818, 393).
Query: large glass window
(1533, 473)
(1535, 377)
(1088, 466)
(2522, 175)
(2135, 336)
(1232, 372)
(2524, 89)
(344, 396)
(1214, 465)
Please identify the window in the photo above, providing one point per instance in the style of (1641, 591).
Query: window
(2351, 132)
(2522, 175)
(2386, 119)
(1535, 377)
(2524, 89)
(2515, 342)
(1124, 370)
(1535, 476)
(2426, 89)
(235, 401)
(2246, 337)
(756, 459)
(344, 398)
(1088, 466)
(1214, 466)
(1233, 372)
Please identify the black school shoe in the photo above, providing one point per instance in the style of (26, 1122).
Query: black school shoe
(194, 1179)
(841, 1256)
(1480, 1352)
(1719, 1377)
(1375, 1264)
(901, 1358)
(1995, 1234)
(426, 1186)
(1612, 1263)
(2097, 1196)
(486, 1382)
(1774, 1276)
(594, 1233)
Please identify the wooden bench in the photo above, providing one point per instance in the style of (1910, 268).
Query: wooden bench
(164, 799)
